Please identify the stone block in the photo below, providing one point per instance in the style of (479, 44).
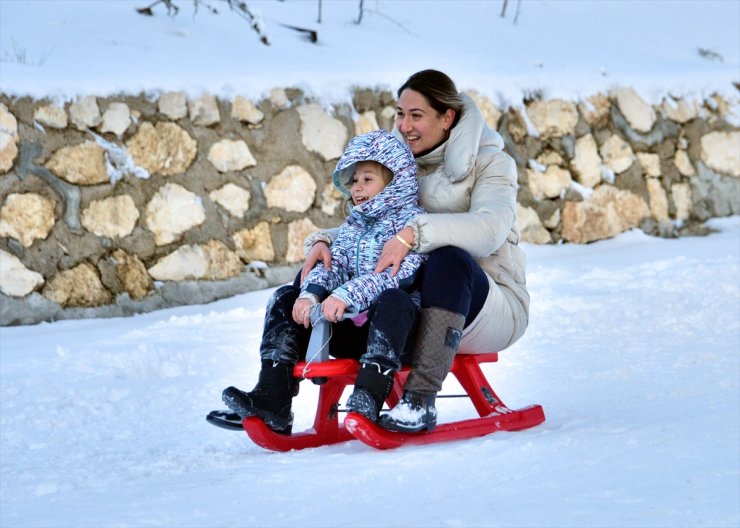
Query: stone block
(8, 139)
(243, 109)
(27, 217)
(321, 133)
(606, 213)
(720, 151)
(650, 163)
(586, 164)
(79, 286)
(132, 274)
(255, 244)
(113, 217)
(617, 154)
(658, 199)
(231, 156)
(233, 198)
(81, 164)
(203, 111)
(638, 113)
(293, 190)
(174, 105)
(164, 149)
(85, 113)
(172, 211)
(16, 280)
(297, 233)
(549, 184)
(51, 116)
(553, 118)
(116, 119)
(531, 227)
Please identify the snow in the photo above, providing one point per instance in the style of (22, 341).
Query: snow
(559, 48)
(632, 350)
(633, 344)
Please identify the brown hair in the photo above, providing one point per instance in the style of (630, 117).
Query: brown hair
(438, 89)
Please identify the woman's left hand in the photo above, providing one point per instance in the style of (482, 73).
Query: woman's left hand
(394, 252)
(333, 309)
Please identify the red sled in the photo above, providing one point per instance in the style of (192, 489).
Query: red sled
(336, 374)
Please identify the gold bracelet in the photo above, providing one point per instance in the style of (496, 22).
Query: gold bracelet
(402, 241)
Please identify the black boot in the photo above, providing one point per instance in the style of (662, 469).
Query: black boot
(270, 399)
(371, 389)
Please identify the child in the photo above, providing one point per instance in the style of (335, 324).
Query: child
(378, 174)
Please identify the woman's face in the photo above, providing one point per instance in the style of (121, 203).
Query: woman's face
(422, 127)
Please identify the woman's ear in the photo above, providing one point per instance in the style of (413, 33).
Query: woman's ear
(449, 118)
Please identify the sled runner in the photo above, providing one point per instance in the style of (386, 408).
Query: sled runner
(494, 415)
(334, 375)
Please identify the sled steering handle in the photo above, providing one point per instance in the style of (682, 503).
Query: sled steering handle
(318, 344)
(317, 316)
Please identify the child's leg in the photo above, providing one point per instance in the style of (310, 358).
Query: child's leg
(283, 340)
(391, 321)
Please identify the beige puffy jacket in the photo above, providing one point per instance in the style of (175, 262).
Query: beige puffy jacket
(469, 187)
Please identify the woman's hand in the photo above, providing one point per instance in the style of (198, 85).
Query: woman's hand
(333, 309)
(319, 252)
(302, 312)
(394, 252)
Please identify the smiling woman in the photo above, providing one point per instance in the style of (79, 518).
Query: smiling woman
(473, 293)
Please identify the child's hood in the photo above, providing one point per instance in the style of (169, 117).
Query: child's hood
(382, 147)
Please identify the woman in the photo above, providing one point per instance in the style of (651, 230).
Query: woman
(473, 293)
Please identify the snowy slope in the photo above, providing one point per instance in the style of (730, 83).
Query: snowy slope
(632, 350)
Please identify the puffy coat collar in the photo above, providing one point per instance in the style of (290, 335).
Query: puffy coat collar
(461, 148)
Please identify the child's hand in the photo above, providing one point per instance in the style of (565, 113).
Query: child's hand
(333, 309)
(302, 312)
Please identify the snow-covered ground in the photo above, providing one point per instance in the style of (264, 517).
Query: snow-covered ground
(633, 350)
(633, 347)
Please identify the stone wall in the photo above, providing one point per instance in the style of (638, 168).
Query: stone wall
(118, 205)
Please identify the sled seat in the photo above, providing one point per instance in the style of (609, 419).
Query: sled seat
(336, 374)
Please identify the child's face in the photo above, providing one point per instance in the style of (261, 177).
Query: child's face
(367, 181)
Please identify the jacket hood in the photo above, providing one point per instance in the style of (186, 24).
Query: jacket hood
(382, 147)
(466, 138)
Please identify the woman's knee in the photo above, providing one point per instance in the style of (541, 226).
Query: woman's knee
(449, 260)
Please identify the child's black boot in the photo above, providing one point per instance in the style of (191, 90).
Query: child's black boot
(371, 389)
(270, 399)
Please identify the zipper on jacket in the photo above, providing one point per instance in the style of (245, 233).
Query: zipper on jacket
(368, 227)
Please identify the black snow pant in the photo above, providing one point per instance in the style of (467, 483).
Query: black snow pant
(386, 337)
(454, 281)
